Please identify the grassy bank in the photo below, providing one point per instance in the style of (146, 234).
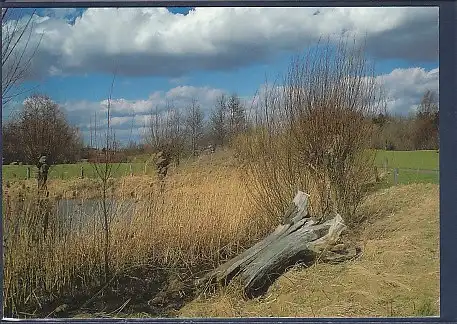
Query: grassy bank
(202, 216)
(412, 166)
(73, 171)
(397, 274)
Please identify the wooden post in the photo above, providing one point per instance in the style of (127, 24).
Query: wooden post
(28, 173)
(82, 172)
(385, 165)
(395, 176)
(131, 171)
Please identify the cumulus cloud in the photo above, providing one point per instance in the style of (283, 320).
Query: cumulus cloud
(405, 88)
(154, 41)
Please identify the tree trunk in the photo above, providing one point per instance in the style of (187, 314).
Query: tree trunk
(300, 239)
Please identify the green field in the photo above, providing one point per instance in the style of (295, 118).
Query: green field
(413, 166)
(422, 160)
(421, 166)
(71, 171)
(411, 176)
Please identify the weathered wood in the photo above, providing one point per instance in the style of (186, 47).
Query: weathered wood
(299, 239)
(230, 268)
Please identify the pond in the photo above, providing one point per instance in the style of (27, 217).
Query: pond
(79, 211)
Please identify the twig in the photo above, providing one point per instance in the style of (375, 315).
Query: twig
(120, 308)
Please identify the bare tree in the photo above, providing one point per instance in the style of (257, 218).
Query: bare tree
(218, 121)
(194, 125)
(427, 122)
(236, 116)
(166, 136)
(175, 131)
(394, 132)
(155, 133)
(17, 52)
(40, 128)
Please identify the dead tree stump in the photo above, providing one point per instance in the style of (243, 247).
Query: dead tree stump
(300, 239)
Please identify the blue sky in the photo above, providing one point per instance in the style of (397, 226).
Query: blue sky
(179, 53)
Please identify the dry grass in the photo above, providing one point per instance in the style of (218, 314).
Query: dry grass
(201, 217)
(397, 275)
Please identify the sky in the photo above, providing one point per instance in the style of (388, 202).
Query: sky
(176, 54)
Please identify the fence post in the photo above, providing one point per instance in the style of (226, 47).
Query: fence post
(131, 171)
(28, 173)
(385, 165)
(395, 176)
(82, 172)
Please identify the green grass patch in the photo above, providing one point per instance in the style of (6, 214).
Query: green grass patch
(72, 171)
(414, 160)
(426, 308)
(422, 160)
(411, 176)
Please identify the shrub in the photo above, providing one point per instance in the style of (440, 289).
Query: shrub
(313, 133)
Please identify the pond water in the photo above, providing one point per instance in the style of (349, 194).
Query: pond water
(78, 211)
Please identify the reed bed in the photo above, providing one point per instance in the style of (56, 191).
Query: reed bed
(196, 219)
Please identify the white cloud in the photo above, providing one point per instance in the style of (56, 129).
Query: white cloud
(405, 87)
(154, 41)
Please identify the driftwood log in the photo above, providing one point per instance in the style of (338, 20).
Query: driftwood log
(299, 239)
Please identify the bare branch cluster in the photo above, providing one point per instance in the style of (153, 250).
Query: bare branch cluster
(314, 131)
(18, 51)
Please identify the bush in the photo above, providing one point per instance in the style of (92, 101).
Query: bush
(313, 133)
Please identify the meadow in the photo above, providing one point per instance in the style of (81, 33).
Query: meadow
(72, 171)
(416, 160)
(202, 216)
(416, 166)
(412, 166)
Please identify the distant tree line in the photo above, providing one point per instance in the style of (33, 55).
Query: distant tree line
(187, 132)
(417, 131)
(40, 127)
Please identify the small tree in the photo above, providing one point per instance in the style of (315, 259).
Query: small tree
(218, 121)
(236, 116)
(194, 125)
(313, 132)
(104, 166)
(41, 127)
(175, 132)
(166, 132)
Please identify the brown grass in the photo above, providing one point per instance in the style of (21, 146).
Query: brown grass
(201, 217)
(204, 216)
(397, 275)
